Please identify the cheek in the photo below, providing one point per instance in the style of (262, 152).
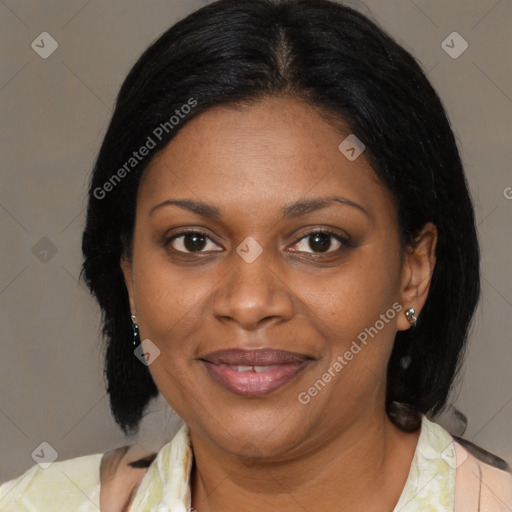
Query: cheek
(359, 326)
(354, 298)
(169, 308)
(168, 299)
(357, 310)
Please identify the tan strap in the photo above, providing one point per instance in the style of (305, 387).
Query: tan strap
(467, 481)
(480, 487)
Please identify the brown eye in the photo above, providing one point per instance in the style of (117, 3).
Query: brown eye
(320, 242)
(191, 241)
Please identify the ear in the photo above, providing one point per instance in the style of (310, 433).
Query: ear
(417, 269)
(126, 268)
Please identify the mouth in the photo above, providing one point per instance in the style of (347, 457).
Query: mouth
(256, 372)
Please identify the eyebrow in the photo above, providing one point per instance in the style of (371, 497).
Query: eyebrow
(304, 206)
(289, 211)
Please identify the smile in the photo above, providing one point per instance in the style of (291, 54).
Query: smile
(254, 380)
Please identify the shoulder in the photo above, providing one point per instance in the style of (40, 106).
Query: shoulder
(84, 484)
(72, 484)
(480, 479)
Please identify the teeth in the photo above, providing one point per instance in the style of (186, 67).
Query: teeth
(262, 368)
(251, 368)
(243, 368)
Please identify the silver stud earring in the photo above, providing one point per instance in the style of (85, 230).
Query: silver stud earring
(135, 326)
(411, 316)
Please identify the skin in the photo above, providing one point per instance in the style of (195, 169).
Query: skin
(273, 451)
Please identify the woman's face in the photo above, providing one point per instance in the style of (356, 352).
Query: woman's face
(291, 247)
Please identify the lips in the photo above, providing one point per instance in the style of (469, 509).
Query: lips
(254, 372)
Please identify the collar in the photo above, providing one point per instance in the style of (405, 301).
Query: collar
(166, 484)
(430, 484)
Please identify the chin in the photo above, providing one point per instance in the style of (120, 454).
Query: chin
(258, 434)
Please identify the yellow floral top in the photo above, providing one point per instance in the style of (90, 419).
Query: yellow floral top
(74, 485)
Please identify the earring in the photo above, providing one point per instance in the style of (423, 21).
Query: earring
(411, 316)
(135, 326)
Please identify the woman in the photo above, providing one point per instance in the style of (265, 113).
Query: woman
(281, 239)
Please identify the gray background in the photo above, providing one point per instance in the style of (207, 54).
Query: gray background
(54, 114)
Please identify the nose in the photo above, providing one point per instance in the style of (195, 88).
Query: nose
(253, 294)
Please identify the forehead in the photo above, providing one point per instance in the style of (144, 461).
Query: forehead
(275, 151)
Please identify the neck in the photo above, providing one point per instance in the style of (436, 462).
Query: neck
(363, 468)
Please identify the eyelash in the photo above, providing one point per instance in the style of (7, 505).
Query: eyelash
(346, 242)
